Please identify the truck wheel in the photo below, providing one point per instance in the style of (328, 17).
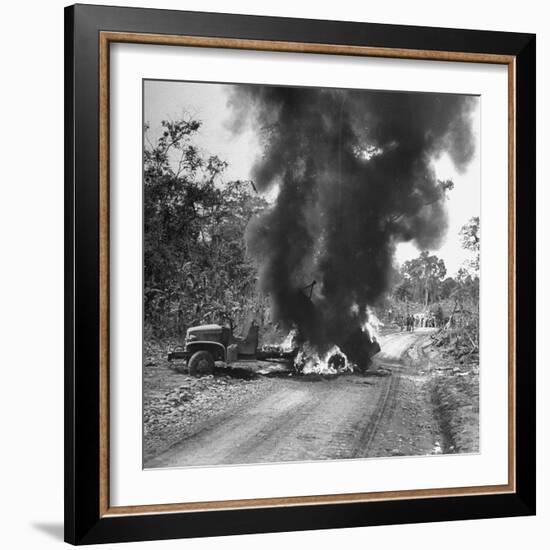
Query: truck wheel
(201, 363)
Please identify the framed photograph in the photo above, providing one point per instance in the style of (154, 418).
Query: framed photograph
(300, 274)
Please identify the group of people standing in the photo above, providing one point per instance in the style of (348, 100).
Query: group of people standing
(406, 322)
(412, 321)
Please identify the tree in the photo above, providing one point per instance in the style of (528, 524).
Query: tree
(425, 274)
(468, 275)
(404, 291)
(195, 268)
(447, 287)
(469, 236)
(464, 319)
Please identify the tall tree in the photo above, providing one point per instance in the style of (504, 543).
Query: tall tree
(195, 267)
(469, 236)
(425, 274)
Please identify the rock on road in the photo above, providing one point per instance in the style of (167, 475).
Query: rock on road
(297, 419)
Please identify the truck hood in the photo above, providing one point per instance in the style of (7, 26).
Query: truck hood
(204, 328)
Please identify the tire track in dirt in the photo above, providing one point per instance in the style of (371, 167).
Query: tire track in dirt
(379, 414)
(300, 420)
(408, 427)
(303, 420)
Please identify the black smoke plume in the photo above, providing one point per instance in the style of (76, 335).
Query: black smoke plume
(354, 175)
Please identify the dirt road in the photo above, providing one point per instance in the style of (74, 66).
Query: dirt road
(298, 419)
(395, 345)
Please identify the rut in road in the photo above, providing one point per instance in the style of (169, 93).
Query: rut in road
(301, 420)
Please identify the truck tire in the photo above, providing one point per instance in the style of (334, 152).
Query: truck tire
(201, 363)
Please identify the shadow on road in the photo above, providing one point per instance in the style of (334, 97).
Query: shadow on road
(236, 372)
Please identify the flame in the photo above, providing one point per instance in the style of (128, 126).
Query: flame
(372, 325)
(334, 361)
(289, 343)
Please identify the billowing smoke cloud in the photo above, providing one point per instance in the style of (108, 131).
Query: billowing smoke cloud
(354, 177)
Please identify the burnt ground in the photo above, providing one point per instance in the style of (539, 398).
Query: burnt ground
(415, 402)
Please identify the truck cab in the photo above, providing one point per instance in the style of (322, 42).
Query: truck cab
(206, 344)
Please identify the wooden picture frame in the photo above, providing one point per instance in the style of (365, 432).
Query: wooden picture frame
(89, 33)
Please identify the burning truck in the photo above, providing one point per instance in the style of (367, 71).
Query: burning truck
(207, 344)
(352, 175)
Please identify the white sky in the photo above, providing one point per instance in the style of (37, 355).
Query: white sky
(208, 103)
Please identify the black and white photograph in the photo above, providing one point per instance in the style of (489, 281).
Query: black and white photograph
(275, 275)
(310, 273)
